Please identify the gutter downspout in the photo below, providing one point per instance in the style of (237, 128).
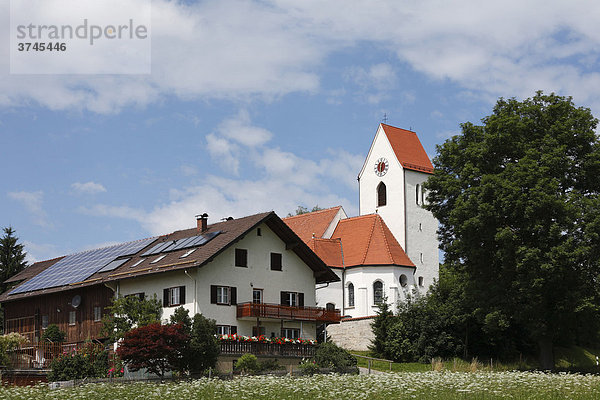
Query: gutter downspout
(195, 293)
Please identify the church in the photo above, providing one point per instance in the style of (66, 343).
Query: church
(389, 251)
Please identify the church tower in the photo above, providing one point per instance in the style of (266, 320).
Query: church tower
(391, 184)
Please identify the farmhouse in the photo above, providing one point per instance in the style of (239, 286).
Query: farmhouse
(390, 250)
(253, 275)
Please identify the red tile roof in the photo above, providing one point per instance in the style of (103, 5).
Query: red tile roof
(329, 250)
(366, 240)
(317, 222)
(408, 149)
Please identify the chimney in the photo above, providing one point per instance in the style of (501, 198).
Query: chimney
(201, 222)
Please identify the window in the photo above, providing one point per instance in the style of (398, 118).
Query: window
(138, 263)
(290, 333)
(421, 281)
(257, 296)
(226, 329)
(224, 295)
(418, 194)
(72, 317)
(330, 306)
(377, 292)
(260, 331)
(258, 232)
(187, 253)
(157, 259)
(403, 280)
(44, 321)
(241, 257)
(174, 296)
(381, 195)
(421, 257)
(140, 295)
(97, 313)
(350, 295)
(276, 261)
(420, 227)
(292, 299)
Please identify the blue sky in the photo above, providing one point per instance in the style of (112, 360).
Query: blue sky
(267, 105)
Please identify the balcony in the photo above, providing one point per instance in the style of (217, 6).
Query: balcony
(276, 311)
(267, 349)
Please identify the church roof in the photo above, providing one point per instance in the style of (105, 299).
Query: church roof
(313, 223)
(366, 240)
(330, 251)
(408, 149)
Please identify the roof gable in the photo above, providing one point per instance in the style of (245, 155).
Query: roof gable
(312, 223)
(408, 149)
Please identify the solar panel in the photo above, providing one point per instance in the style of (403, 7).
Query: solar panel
(184, 243)
(78, 267)
(157, 249)
(114, 265)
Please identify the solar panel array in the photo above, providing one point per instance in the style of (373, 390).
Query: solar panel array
(184, 243)
(78, 267)
(114, 265)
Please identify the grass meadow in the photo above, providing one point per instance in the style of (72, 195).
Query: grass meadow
(400, 385)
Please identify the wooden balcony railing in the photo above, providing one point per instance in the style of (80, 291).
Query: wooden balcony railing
(40, 355)
(276, 311)
(232, 347)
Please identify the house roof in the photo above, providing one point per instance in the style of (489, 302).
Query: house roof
(408, 149)
(230, 232)
(330, 251)
(316, 222)
(32, 270)
(366, 240)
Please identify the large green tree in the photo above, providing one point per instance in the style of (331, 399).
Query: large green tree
(518, 200)
(12, 257)
(128, 312)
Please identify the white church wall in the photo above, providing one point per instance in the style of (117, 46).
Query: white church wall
(393, 212)
(421, 232)
(331, 293)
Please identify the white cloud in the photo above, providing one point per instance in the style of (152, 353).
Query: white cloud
(241, 50)
(223, 152)
(283, 181)
(88, 187)
(39, 252)
(33, 202)
(375, 83)
(240, 130)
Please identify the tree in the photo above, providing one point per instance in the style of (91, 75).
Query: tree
(12, 257)
(202, 350)
(128, 312)
(517, 199)
(303, 210)
(380, 326)
(53, 334)
(156, 347)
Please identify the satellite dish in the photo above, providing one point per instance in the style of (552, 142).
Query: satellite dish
(76, 301)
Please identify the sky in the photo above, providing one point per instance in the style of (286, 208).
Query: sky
(252, 106)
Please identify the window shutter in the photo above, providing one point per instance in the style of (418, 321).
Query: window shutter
(213, 294)
(300, 299)
(233, 329)
(181, 294)
(284, 299)
(233, 292)
(166, 298)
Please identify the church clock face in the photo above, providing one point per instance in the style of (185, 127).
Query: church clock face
(381, 166)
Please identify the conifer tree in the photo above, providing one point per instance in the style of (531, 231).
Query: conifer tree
(12, 257)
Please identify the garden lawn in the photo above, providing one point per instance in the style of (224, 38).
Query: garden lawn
(420, 385)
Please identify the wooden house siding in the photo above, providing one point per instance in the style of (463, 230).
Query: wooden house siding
(25, 315)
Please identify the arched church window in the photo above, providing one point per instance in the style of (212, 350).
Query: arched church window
(418, 194)
(350, 295)
(403, 280)
(377, 292)
(381, 195)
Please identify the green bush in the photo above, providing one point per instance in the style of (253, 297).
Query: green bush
(328, 355)
(270, 365)
(90, 361)
(53, 334)
(248, 364)
(309, 367)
